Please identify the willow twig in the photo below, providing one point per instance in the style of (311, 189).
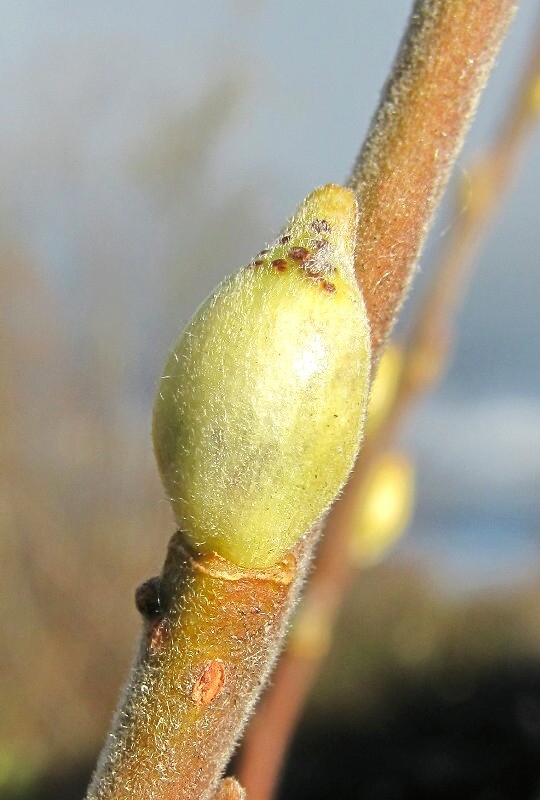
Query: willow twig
(399, 177)
(443, 64)
(484, 185)
(211, 630)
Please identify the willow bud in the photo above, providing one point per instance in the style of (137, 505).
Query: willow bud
(259, 413)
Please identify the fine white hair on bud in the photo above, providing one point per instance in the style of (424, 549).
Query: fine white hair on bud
(259, 414)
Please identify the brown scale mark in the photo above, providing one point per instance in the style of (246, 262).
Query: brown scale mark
(280, 264)
(321, 226)
(319, 244)
(328, 287)
(210, 683)
(314, 269)
(299, 253)
(285, 239)
(258, 263)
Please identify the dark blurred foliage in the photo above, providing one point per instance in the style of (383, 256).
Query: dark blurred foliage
(425, 697)
(474, 736)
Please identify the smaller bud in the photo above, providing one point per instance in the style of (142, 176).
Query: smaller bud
(259, 414)
(533, 95)
(383, 508)
(384, 388)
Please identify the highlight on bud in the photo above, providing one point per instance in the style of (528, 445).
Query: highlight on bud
(259, 413)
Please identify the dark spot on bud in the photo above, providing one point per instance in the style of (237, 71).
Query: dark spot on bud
(299, 253)
(280, 264)
(263, 252)
(285, 239)
(328, 287)
(321, 226)
(258, 263)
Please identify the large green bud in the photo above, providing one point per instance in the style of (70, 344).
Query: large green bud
(260, 410)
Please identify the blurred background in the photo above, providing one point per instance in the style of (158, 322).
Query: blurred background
(147, 150)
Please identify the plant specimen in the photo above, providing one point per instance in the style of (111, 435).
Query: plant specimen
(259, 417)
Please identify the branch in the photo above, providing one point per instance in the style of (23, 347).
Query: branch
(399, 177)
(229, 789)
(484, 186)
(210, 636)
(212, 629)
(403, 167)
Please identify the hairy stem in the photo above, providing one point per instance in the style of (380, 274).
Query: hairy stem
(211, 634)
(212, 631)
(443, 64)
